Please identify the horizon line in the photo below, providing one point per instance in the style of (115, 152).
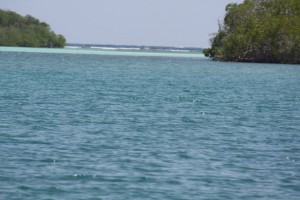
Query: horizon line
(132, 45)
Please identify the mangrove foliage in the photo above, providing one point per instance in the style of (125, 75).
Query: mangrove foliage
(16, 30)
(258, 31)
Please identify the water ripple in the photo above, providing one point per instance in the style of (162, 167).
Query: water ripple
(109, 127)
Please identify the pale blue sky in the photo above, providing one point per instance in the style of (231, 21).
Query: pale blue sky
(128, 22)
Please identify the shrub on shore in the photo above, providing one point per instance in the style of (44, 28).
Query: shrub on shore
(16, 30)
(258, 31)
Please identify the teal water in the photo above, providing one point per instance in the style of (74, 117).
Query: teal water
(127, 127)
(89, 51)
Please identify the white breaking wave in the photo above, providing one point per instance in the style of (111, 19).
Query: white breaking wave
(72, 47)
(128, 48)
(174, 50)
(115, 48)
(86, 51)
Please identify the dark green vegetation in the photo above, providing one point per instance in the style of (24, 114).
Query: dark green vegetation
(27, 31)
(259, 31)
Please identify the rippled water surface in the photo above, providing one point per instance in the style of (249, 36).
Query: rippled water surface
(111, 127)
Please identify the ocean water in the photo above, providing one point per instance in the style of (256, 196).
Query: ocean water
(138, 127)
(103, 51)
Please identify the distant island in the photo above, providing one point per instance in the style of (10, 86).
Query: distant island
(16, 30)
(259, 31)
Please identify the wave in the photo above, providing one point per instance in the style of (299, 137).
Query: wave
(88, 51)
(115, 48)
(176, 50)
(73, 47)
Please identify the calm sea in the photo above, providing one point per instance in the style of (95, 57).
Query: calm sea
(128, 127)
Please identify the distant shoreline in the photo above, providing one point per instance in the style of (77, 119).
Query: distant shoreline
(93, 51)
(135, 47)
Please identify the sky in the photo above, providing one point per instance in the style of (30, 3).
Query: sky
(180, 23)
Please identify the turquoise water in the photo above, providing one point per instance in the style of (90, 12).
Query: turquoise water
(88, 51)
(127, 127)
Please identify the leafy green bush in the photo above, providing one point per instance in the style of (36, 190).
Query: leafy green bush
(259, 31)
(27, 31)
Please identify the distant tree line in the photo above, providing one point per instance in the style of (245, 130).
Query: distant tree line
(16, 30)
(259, 31)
